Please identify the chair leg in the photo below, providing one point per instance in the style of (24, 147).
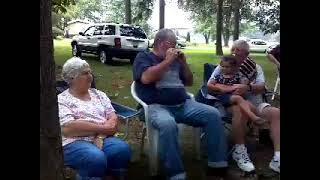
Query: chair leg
(153, 139)
(196, 140)
(144, 130)
(181, 129)
(127, 129)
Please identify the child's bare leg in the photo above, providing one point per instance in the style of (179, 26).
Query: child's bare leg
(246, 107)
(259, 121)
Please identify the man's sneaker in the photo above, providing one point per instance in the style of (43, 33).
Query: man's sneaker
(275, 164)
(240, 155)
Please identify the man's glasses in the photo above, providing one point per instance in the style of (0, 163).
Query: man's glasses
(173, 44)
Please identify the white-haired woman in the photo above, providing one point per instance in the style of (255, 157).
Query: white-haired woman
(88, 123)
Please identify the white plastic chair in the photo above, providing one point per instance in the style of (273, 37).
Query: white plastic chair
(153, 136)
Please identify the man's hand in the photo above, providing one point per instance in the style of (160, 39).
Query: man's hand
(171, 55)
(240, 89)
(182, 58)
(187, 74)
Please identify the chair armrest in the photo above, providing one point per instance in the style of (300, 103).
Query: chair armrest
(135, 96)
(191, 95)
(124, 112)
(144, 105)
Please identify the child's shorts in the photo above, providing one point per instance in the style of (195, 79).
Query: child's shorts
(224, 99)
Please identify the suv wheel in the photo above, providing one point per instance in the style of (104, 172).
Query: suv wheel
(104, 57)
(76, 51)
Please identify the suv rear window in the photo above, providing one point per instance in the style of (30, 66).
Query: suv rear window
(132, 31)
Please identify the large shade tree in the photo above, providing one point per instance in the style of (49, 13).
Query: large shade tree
(51, 159)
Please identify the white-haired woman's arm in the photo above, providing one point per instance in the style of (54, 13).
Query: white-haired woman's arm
(85, 128)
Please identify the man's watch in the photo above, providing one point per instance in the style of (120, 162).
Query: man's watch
(101, 137)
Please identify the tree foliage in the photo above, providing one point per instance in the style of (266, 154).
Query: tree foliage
(203, 15)
(205, 26)
(61, 5)
(88, 9)
(267, 15)
(141, 11)
(104, 11)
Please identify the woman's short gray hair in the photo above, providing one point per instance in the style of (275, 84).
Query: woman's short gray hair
(242, 44)
(73, 68)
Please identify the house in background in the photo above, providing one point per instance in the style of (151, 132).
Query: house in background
(74, 27)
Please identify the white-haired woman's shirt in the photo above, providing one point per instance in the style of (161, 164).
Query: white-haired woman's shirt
(71, 108)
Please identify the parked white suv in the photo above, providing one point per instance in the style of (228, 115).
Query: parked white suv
(109, 40)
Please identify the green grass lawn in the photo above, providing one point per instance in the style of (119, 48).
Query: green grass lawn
(115, 80)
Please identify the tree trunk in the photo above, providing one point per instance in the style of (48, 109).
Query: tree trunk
(161, 13)
(128, 11)
(188, 37)
(51, 160)
(219, 28)
(226, 34)
(207, 36)
(226, 38)
(65, 22)
(236, 29)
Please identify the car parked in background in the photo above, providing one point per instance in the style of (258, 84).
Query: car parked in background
(181, 42)
(259, 45)
(108, 40)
